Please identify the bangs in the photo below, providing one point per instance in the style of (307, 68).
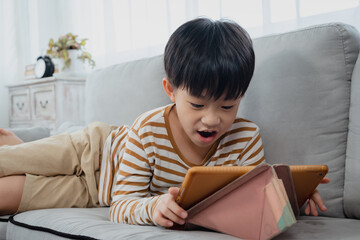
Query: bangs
(214, 80)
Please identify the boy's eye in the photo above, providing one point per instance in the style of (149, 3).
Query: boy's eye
(227, 107)
(196, 105)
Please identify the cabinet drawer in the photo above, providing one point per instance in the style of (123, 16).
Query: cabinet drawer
(19, 104)
(43, 102)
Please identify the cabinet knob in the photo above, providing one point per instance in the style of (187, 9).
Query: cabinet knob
(20, 106)
(43, 105)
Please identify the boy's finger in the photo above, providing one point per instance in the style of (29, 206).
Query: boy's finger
(173, 217)
(162, 221)
(313, 208)
(325, 180)
(177, 210)
(174, 191)
(318, 201)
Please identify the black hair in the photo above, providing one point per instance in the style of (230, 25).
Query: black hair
(215, 56)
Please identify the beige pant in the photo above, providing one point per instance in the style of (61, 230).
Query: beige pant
(61, 171)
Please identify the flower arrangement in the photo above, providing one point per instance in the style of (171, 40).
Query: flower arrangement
(59, 49)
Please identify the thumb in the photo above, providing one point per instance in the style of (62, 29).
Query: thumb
(173, 191)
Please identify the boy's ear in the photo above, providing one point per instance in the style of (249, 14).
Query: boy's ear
(168, 89)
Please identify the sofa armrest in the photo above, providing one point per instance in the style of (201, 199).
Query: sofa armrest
(352, 164)
(31, 134)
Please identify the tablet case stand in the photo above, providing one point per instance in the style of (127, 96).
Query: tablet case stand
(283, 172)
(254, 206)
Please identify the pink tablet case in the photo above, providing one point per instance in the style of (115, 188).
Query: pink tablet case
(254, 206)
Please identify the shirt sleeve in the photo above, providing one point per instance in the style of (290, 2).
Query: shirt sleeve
(105, 171)
(111, 154)
(253, 153)
(132, 203)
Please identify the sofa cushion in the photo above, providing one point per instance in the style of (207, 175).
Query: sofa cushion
(3, 226)
(352, 166)
(92, 223)
(300, 98)
(119, 94)
(322, 228)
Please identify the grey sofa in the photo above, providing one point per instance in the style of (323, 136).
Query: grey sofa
(305, 96)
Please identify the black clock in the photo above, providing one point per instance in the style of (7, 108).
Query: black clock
(44, 67)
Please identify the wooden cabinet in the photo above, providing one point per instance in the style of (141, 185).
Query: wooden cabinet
(47, 102)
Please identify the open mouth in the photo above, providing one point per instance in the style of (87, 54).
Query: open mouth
(207, 134)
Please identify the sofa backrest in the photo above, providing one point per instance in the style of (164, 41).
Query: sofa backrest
(120, 93)
(300, 98)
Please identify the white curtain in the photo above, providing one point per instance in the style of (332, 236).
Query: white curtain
(123, 30)
(14, 49)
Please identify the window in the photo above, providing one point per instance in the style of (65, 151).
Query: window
(282, 10)
(247, 13)
(314, 7)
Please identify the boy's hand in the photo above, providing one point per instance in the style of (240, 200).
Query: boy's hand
(316, 200)
(168, 211)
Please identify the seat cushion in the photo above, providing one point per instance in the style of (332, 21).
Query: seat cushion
(94, 224)
(91, 223)
(3, 226)
(323, 228)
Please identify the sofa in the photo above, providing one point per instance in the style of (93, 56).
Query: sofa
(305, 96)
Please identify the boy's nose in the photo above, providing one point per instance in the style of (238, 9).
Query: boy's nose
(210, 120)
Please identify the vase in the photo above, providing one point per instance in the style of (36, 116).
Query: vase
(77, 67)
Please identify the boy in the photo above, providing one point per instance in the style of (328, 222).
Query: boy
(209, 65)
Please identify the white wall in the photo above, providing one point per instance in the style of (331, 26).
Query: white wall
(10, 48)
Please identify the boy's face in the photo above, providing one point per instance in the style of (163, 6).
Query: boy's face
(203, 120)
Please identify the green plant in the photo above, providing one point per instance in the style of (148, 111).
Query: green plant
(59, 49)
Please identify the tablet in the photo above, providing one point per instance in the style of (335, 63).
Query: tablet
(201, 182)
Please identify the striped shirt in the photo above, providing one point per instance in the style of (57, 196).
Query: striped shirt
(146, 162)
